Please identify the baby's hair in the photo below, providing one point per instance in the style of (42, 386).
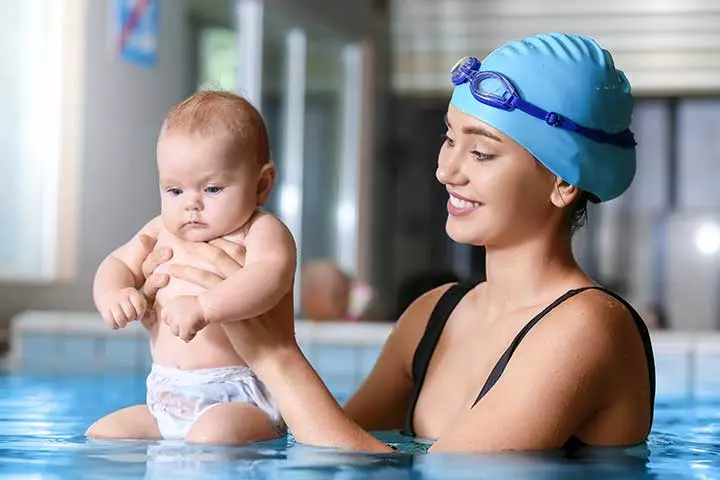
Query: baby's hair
(211, 112)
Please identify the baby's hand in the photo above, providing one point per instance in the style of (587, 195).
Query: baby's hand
(122, 307)
(184, 316)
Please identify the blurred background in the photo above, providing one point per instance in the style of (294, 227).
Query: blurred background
(354, 94)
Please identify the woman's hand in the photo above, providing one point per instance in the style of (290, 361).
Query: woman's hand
(227, 257)
(258, 339)
(267, 344)
(153, 281)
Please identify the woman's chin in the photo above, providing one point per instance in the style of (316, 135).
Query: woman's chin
(464, 233)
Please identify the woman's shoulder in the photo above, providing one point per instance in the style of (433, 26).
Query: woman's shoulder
(593, 314)
(413, 321)
(420, 309)
(596, 304)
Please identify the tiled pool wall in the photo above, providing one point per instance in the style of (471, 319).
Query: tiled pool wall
(343, 353)
(41, 341)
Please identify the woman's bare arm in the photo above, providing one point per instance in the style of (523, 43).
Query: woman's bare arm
(565, 370)
(382, 400)
(310, 410)
(308, 407)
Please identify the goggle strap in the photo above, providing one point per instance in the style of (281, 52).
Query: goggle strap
(623, 139)
(469, 67)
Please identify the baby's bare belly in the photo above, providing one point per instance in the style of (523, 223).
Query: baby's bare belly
(210, 348)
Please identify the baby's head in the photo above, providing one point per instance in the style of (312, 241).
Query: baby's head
(213, 159)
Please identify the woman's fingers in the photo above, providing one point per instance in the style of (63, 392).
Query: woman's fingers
(236, 251)
(218, 257)
(156, 257)
(147, 242)
(154, 283)
(197, 276)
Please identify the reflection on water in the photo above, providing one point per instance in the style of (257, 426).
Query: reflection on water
(42, 420)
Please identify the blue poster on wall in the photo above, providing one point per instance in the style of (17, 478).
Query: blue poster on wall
(135, 23)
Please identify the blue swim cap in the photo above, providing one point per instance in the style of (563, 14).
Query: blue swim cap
(577, 79)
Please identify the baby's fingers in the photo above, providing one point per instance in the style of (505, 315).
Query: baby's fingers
(128, 310)
(119, 316)
(110, 320)
(139, 304)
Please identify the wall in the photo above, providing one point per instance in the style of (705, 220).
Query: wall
(663, 46)
(647, 237)
(122, 108)
(9, 127)
(336, 19)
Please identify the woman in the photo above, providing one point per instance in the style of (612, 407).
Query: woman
(537, 357)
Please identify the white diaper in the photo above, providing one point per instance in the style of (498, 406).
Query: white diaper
(177, 398)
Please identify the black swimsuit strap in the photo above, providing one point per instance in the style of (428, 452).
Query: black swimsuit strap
(505, 358)
(439, 316)
(442, 312)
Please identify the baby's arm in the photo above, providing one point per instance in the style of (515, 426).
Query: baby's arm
(267, 276)
(118, 278)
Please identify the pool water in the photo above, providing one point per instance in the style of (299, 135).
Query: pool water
(42, 420)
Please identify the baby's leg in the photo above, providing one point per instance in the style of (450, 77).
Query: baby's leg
(232, 424)
(132, 422)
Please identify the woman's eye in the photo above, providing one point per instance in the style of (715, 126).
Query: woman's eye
(446, 139)
(482, 156)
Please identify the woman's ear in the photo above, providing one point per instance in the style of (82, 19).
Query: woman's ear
(266, 180)
(563, 194)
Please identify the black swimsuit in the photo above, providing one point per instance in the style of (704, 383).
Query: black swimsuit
(445, 307)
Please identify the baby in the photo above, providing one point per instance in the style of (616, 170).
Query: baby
(213, 161)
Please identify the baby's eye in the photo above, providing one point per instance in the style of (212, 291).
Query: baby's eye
(174, 191)
(213, 189)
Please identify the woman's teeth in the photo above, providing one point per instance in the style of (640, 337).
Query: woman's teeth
(460, 203)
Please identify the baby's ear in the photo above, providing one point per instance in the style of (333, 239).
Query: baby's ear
(563, 194)
(266, 180)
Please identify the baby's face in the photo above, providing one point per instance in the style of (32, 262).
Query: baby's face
(207, 191)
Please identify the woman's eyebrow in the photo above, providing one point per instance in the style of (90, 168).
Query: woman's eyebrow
(481, 131)
(475, 130)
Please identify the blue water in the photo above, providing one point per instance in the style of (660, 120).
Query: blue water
(42, 420)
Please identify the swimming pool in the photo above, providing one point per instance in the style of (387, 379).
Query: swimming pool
(43, 417)
(70, 370)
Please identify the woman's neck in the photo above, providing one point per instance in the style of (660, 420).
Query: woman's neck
(527, 273)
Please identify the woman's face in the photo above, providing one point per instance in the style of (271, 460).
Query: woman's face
(499, 194)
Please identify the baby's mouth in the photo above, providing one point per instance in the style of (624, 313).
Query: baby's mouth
(193, 224)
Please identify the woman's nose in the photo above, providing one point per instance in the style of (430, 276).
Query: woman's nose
(449, 170)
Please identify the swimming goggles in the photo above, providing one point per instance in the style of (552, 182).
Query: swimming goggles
(468, 70)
